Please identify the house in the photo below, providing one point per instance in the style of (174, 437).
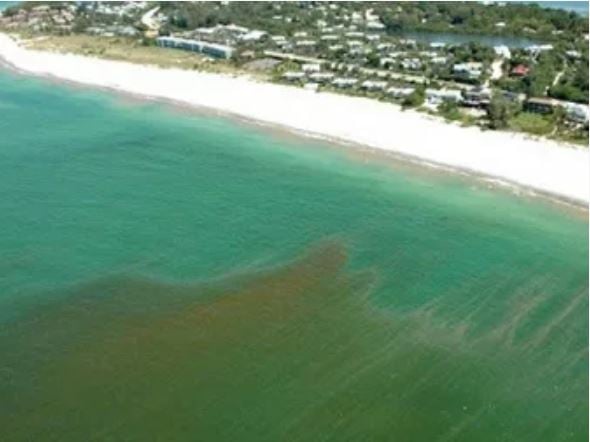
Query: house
(356, 51)
(428, 54)
(278, 39)
(354, 43)
(413, 64)
(356, 17)
(502, 51)
(321, 77)
(515, 97)
(408, 42)
(254, 35)
(577, 113)
(293, 75)
(400, 92)
(520, 70)
(437, 96)
(537, 49)
(477, 97)
(386, 62)
(469, 71)
(437, 45)
(375, 25)
(574, 55)
(305, 43)
(438, 60)
(540, 105)
(235, 29)
(310, 67)
(344, 82)
(384, 46)
(371, 85)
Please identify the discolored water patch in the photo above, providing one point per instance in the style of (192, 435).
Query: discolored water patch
(292, 353)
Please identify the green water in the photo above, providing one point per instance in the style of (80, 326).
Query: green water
(169, 276)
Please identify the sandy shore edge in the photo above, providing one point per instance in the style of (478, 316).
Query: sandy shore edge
(544, 166)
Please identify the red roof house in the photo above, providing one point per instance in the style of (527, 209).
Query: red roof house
(520, 70)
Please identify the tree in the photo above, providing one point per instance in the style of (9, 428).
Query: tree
(500, 111)
(416, 98)
(373, 60)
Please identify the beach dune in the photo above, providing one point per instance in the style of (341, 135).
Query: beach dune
(543, 165)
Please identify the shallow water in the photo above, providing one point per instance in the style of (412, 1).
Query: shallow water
(168, 276)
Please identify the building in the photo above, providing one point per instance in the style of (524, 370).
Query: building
(439, 60)
(254, 35)
(293, 75)
(385, 46)
(468, 71)
(477, 97)
(293, 57)
(354, 43)
(335, 48)
(437, 96)
(311, 67)
(413, 64)
(211, 49)
(386, 62)
(321, 77)
(305, 43)
(344, 82)
(537, 49)
(520, 70)
(577, 113)
(574, 55)
(437, 45)
(502, 51)
(400, 92)
(375, 26)
(371, 85)
(515, 97)
(540, 105)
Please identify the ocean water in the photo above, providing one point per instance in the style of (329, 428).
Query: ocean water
(579, 7)
(173, 276)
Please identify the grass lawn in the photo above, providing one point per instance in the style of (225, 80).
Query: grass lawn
(130, 50)
(531, 123)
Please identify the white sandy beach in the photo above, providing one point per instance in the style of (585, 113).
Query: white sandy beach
(539, 164)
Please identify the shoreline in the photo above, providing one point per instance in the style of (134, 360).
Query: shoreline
(543, 167)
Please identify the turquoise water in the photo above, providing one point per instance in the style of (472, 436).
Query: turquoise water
(579, 7)
(4, 5)
(173, 276)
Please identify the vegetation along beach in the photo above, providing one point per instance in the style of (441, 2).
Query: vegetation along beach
(297, 221)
